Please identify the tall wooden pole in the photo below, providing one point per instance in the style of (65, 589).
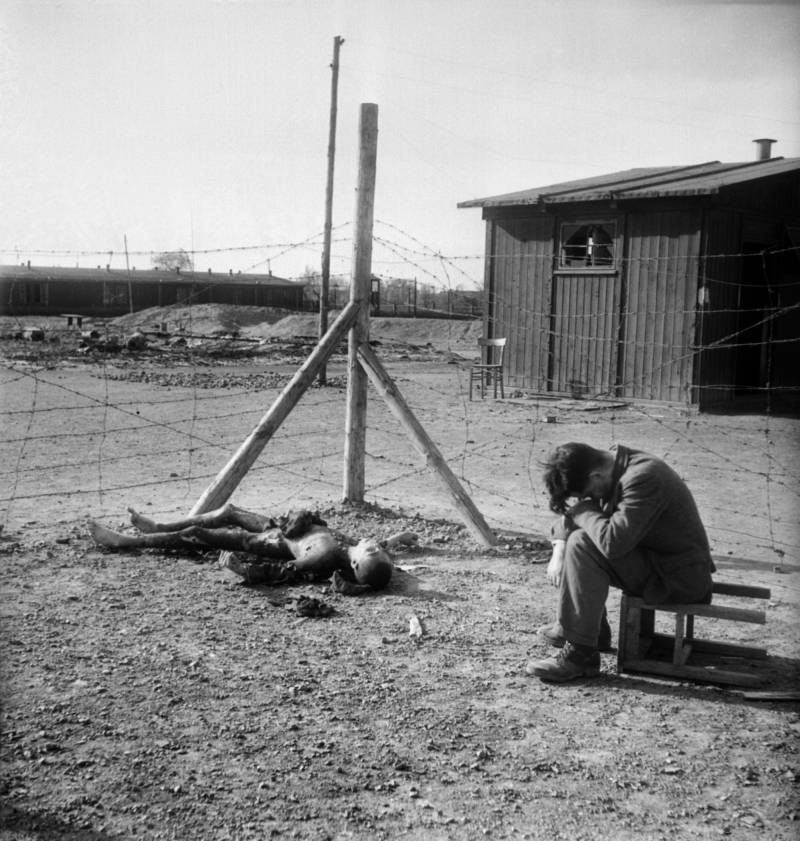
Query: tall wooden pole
(128, 270)
(356, 420)
(326, 247)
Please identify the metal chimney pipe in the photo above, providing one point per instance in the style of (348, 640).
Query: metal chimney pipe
(764, 148)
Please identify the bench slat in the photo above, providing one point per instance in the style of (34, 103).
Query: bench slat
(707, 675)
(665, 642)
(715, 611)
(726, 589)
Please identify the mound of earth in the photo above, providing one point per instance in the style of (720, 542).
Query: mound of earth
(199, 319)
(270, 323)
(441, 333)
(277, 326)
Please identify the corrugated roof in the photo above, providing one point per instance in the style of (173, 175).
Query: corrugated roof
(65, 273)
(645, 182)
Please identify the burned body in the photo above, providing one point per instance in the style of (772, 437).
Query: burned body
(260, 549)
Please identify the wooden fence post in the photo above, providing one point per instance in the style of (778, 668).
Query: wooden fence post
(356, 420)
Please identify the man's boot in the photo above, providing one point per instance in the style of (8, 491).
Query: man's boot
(572, 662)
(603, 640)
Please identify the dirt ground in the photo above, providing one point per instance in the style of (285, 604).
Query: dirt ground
(150, 694)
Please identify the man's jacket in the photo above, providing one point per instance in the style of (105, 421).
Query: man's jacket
(651, 512)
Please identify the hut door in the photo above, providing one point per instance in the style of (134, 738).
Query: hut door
(584, 334)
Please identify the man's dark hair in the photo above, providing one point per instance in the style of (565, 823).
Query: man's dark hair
(566, 472)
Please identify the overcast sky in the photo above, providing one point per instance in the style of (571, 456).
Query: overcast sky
(204, 125)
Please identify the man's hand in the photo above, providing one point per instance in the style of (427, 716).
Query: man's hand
(556, 565)
(585, 504)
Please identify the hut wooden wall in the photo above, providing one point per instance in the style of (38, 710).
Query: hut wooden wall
(769, 211)
(659, 305)
(784, 330)
(718, 319)
(664, 326)
(628, 334)
(520, 270)
(585, 330)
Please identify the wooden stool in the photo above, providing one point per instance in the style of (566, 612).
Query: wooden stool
(642, 650)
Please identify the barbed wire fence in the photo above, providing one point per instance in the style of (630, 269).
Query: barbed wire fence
(89, 439)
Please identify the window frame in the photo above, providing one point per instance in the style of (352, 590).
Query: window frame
(608, 223)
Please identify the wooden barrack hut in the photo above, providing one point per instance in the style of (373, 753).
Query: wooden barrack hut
(676, 283)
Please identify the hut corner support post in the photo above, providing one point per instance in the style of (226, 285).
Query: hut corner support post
(385, 386)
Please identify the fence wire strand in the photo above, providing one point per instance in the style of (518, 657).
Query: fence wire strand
(75, 447)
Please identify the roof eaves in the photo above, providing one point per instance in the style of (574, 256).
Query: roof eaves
(657, 176)
(645, 193)
(551, 193)
(503, 200)
(725, 176)
(698, 179)
(621, 188)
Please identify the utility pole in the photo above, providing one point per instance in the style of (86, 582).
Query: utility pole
(326, 248)
(128, 269)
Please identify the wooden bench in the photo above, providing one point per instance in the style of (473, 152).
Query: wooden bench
(642, 650)
(70, 315)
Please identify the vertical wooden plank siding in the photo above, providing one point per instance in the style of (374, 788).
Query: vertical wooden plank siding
(715, 363)
(516, 291)
(660, 353)
(586, 312)
(635, 310)
(521, 271)
(523, 305)
(505, 247)
(685, 329)
(659, 312)
(488, 279)
(542, 267)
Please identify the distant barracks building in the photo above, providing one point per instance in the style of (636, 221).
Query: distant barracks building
(36, 290)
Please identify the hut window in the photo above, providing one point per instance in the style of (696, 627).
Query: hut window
(34, 293)
(587, 245)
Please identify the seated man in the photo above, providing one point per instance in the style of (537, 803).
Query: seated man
(297, 547)
(633, 524)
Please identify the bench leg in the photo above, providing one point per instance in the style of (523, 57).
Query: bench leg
(630, 630)
(682, 646)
